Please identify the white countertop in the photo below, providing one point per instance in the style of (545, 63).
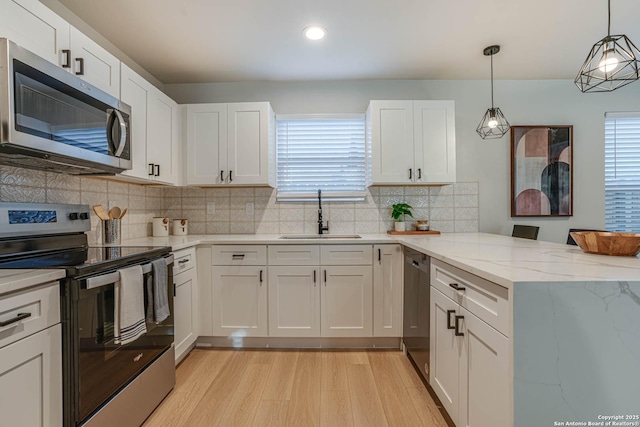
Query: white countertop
(501, 259)
(15, 280)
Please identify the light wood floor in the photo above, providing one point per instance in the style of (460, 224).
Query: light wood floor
(296, 388)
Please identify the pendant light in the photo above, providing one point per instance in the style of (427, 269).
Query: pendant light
(493, 124)
(611, 63)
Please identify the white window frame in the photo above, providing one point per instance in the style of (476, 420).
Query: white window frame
(326, 195)
(622, 172)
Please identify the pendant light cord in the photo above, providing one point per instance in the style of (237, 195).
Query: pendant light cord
(492, 80)
(609, 18)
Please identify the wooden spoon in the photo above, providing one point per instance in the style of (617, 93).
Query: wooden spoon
(124, 212)
(115, 212)
(99, 210)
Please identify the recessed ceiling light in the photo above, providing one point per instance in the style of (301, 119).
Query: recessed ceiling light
(314, 32)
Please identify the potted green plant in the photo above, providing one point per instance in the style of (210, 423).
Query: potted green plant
(398, 213)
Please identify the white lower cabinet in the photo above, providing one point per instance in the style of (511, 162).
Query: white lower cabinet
(185, 301)
(469, 365)
(31, 380)
(387, 290)
(347, 306)
(294, 301)
(239, 301)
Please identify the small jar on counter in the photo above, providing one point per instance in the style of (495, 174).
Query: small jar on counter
(422, 225)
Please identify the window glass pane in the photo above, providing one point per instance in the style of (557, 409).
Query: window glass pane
(325, 154)
(622, 172)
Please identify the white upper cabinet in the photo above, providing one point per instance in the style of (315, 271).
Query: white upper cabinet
(230, 144)
(35, 27)
(412, 142)
(155, 122)
(94, 64)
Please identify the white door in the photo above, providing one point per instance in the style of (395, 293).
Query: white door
(484, 375)
(294, 301)
(435, 141)
(135, 92)
(94, 64)
(239, 301)
(184, 311)
(207, 144)
(387, 291)
(347, 301)
(444, 356)
(392, 142)
(162, 135)
(31, 380)
(32, 25)
(248, 143)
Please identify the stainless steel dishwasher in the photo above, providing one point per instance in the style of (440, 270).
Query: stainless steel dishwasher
(415, 334)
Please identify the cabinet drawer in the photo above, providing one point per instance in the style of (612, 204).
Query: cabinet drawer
(184, 260)
(37, 308)
(239, 255)
(294, 255)
(485, 299)
(346, 254)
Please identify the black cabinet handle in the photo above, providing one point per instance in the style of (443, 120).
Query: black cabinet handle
(260, 276)
(410, 173)
(67, 58)
(314, 277)
(449, 313)
(415, 264)
(237, 256)
(230, 176)
(419, 173)
(150, 169)
(221, 176)
(19, 317)
(157, 170)
(457, 332)
(325, 277)
(457, 287)
(80, 62)
(379, 254)
(174, 289)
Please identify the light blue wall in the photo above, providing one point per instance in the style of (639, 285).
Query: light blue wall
(524, 102)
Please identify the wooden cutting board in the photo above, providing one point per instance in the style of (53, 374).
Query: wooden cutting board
(413, 232)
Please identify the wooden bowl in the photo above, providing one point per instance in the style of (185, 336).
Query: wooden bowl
(607, 243)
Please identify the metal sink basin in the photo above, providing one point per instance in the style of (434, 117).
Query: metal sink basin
(319, 236)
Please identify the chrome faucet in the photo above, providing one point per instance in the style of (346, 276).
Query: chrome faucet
(321, 228)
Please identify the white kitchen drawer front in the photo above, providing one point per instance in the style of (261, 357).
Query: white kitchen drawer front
(346, 254)
(185, 260)
(294, 255)
(29, 312)
(239, 255)
(485, 299)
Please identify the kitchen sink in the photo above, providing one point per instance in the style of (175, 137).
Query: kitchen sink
(319, 236)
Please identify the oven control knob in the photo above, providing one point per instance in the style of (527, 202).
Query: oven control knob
(73, 216)
(84, 215)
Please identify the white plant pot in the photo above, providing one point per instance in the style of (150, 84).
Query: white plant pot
(400, 226)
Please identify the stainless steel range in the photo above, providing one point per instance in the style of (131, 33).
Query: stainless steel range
(106, 383)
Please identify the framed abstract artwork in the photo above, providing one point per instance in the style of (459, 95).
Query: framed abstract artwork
(541, 171)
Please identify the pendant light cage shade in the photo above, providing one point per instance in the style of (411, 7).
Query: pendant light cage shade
(493, 124)
(611, 64)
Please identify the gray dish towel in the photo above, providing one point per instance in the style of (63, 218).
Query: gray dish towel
(160, 290)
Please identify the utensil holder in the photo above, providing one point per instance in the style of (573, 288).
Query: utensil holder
(111, 231)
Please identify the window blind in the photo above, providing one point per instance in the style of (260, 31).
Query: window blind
(622, 172)
(320, 153)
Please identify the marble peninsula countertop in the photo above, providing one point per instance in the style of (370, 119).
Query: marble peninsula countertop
(501, 259)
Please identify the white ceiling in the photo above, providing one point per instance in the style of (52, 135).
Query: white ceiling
(180, 41)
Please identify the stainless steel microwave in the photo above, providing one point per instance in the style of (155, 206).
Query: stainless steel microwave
(51, 119)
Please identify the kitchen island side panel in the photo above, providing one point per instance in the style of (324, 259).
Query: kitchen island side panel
(576, 352)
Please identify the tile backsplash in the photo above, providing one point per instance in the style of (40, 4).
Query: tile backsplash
(449, 208)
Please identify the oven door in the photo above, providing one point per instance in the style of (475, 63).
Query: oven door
(96, 367)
